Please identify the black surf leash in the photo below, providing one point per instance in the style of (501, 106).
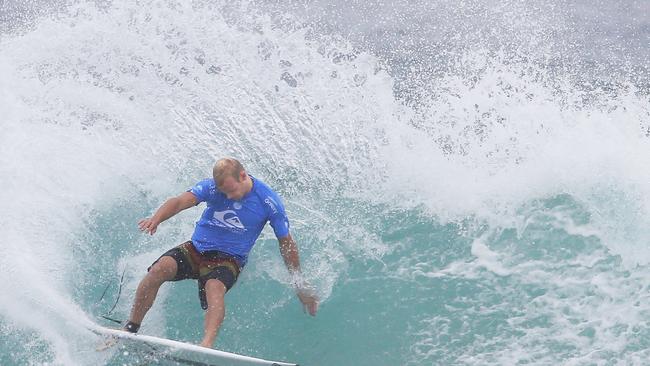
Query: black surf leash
(119, 293)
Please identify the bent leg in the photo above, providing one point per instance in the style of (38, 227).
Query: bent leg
(163, 270)
(214, 292)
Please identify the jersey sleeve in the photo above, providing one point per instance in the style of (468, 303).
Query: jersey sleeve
(277, 215)
(201, 190)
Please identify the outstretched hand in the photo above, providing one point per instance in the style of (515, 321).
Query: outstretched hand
(148, 225)
(309, 300)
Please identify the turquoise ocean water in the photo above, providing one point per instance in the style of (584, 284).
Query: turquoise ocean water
(468, 183)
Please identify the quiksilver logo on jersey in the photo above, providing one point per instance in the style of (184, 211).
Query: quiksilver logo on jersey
(228, 219)
(269, 201)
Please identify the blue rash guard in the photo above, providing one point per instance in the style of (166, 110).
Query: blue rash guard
(233, 226)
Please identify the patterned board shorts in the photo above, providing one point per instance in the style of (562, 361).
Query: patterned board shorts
(203, 266)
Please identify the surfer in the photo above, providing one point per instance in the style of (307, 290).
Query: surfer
(238, 207)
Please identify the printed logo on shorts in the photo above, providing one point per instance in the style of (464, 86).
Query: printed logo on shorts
(228, 219)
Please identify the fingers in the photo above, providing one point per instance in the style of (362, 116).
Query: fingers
(312, 308)
(148, 226)
(309, 303)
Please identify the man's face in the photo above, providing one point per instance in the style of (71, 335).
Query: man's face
(232, 188)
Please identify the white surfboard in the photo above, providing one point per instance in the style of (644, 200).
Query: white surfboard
(166, 351)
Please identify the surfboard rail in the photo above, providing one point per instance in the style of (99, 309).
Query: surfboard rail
(184, 353)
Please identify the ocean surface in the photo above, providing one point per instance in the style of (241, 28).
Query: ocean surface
(468, 182)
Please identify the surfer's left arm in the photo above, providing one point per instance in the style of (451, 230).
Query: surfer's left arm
(289, 252)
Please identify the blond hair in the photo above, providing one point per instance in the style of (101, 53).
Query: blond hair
(227, 167)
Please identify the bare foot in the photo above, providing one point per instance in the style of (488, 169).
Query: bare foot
(206, 344)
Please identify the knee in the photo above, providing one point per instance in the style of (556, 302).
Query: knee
(163, 270)
(215, 292)
(215, 288)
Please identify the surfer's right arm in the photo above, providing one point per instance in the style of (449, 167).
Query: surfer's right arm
(168, 209)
